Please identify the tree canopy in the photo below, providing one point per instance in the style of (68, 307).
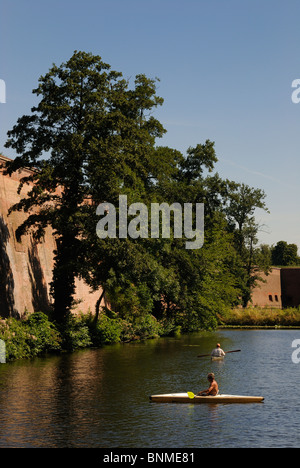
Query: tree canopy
(284, 254)
(91, 139)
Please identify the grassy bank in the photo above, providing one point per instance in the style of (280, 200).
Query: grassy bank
(261, 317)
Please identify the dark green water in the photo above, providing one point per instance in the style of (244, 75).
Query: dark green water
(100, 398)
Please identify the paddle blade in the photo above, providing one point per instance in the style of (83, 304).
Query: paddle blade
(191, 395)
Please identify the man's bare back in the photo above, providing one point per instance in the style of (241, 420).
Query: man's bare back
(213, 388)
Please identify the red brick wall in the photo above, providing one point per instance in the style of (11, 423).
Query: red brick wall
(282, 289)
(268, 293)
(26, 267)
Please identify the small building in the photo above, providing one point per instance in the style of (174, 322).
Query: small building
(280, 289)
(268, 293)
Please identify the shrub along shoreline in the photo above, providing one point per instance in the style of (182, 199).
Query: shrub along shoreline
(36, 335)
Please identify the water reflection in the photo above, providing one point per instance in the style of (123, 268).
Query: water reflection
(99, 398)
(51, 398)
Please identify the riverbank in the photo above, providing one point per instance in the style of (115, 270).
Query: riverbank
(261, 317)
(36, 335)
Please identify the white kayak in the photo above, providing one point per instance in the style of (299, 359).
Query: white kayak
(221, 398)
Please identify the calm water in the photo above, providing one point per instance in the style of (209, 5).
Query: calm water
(100, 398)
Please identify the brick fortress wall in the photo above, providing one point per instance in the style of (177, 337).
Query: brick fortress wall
(281, 289)
(268, 293)
(26, 267)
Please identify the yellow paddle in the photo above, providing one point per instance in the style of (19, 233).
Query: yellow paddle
(191, 395)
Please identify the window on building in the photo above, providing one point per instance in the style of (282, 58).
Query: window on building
(270, 298)
(276, 298)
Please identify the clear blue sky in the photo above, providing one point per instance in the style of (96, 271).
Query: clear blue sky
(226, 69)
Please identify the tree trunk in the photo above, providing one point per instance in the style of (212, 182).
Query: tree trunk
(63, 284)
(98, 303)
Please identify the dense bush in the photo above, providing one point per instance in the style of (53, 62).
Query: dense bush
(112, 329)
(106, 330)
(29, 338)
(147, 327)
(37, 335)
(75, 334)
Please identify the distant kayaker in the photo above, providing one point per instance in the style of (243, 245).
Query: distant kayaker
(213, 389)
(218, 351)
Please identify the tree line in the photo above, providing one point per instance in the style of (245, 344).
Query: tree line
(93, 137)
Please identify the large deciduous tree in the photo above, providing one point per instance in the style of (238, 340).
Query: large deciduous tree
(241, 203)
(89, 137)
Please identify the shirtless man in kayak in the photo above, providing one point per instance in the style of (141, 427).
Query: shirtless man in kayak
(213, 390)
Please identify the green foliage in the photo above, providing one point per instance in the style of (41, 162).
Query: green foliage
(106, 330)
(110, 328)
(75, 333)
(90, 139)
(29, 338)
(90, 136)
(146, 327)
(284, 254)
(45, 335)
(36, 335)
